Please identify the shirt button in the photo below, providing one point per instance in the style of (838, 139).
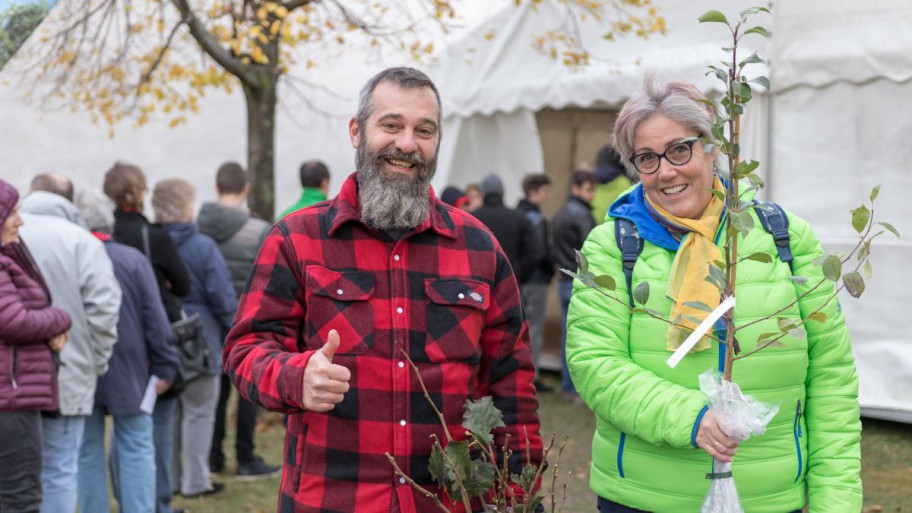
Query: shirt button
(396, 257)
(402, 422)
(401, 364)
(399, 310)
(339, 291)
(461, 296)
(401, 480)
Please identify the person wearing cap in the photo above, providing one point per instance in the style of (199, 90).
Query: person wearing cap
(511, 229)
(612, 181)
(455, 197)
(32, 332)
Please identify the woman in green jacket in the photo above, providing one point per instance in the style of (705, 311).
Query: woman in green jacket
(656, 438)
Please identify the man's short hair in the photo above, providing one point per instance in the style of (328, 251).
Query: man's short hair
(125, 184)
(231, 178)
(405, 78)
(170, 199)
(534, 182)
(580, 177)
(53, 183)
(312, 174)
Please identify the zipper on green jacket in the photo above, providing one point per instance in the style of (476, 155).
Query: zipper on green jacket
(620, 461)
(796, 430)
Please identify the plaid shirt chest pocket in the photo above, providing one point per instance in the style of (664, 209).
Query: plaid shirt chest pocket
(340, 301)
(455, 318)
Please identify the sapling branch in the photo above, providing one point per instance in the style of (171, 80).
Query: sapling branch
(446, 430)
(423, 491)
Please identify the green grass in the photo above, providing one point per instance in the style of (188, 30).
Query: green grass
(886, 464)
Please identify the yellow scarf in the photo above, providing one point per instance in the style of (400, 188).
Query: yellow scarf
(687, 282)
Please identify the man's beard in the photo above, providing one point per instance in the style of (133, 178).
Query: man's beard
(392, 200)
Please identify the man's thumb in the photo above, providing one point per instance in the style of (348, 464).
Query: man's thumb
(332, 345)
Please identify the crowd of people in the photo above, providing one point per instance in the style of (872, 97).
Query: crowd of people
(322, 314)
(91, 288)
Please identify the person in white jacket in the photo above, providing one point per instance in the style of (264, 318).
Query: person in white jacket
(81, 280)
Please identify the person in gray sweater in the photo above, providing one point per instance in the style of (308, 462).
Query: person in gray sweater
(239, 237)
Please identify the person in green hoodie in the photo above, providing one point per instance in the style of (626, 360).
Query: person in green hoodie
(612, 181)
(655, 437)
(314, 176)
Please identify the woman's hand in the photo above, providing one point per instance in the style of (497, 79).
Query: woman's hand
(161, 386)
(713, 440)
(57, 342)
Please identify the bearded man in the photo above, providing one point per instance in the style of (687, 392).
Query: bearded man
(343, 291)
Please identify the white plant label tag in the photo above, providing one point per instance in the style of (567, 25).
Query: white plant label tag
(727, 304)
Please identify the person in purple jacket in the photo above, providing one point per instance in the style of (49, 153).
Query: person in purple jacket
(143, 350)
(31, 334)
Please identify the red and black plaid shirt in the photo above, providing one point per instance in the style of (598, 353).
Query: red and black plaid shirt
(445, 293)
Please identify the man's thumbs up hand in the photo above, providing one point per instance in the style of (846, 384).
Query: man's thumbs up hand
(325, 382)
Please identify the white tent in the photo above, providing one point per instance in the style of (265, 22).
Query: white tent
(835, 124)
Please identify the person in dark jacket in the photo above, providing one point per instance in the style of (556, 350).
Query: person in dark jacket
(212, 297)
(571, 225)
(143, 357)
(537, 190)
(511, 229)
(239, 238)
(125, 184)
(31, 333)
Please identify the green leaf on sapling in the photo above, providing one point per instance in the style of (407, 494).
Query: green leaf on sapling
(437, 465)
(526, 479)
(581, 261)
(799, 280)
(716, 273)
(755, 180)
(854, 283)
(698, 305)
(832, 267)
(481, 417)
(479, 478)
(719, 194)
(641, 293)
(890, 228)
(868, 271)
(760, 257)
(742, 221)
(761, 81)
(860, 218)
(605, 281)
(655, 313)
(874, 192)
(752, 10)
(751, 59)
(745, 167)
(757, 30)
(713, 17)
(818, 317)
(767, 336)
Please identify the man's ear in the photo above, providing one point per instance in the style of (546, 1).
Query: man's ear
(354, 132)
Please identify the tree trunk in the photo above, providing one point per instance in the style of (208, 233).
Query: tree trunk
(261, 110)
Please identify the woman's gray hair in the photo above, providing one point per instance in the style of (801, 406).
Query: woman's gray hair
(679, 101)
(171, 198)
(97, 210)
(406, 78)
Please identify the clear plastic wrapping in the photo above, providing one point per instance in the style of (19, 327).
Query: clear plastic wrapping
(740, 416)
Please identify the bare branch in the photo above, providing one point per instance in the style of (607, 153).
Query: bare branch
(416, 486)
(212, 47)
(427, 396)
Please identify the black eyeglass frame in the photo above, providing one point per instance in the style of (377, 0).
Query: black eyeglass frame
(688, 142)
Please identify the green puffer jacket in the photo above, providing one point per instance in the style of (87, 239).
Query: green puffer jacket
(643, 452)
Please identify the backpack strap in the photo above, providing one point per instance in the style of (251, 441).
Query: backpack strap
(629, 242)
(774, 221)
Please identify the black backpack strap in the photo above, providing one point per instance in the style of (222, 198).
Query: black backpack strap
(629, 242)
(774, 221)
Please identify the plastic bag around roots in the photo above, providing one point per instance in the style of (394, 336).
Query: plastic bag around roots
(740, 416)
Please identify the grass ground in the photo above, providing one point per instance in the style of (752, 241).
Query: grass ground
(886, 465)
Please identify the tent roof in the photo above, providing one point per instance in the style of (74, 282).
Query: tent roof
(507, 73)
(819, 42)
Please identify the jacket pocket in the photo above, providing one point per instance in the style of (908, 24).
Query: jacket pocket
(340, 301)
(297, 446)
(797, 432)
(455, 318)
